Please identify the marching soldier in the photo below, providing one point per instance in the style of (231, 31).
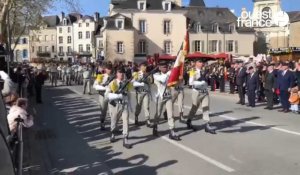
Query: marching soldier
(178, 95)
(142, 87)
(87, 76)
(164, 99)
(101, 83)
(68, 75)
(200, 97)
(212, 77)
(118, 93)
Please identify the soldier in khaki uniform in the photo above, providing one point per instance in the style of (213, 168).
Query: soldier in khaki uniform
(164, 100)
(101, 83)
(200, 96)
(119, 104)
(142, 88)
(178, 95)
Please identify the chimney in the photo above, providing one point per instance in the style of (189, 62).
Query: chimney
(178, 2)
(96, 16)
(62, 16)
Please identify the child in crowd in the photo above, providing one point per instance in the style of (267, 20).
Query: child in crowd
(294, 99)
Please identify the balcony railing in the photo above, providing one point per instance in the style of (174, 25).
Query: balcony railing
(70, 53)
(44, 54)
(61, 54)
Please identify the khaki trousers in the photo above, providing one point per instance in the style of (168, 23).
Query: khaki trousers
(86, 84)
(200, 100)
(142, 99)
(103, 106)
(179, 96)
(168, 104)
(120, 110)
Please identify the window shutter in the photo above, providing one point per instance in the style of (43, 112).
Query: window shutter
(236, 47)
(220, 46)
(193, 46)
(202, 46)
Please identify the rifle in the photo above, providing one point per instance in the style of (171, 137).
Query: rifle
(144, 79)
(121, 90)
(109, 80)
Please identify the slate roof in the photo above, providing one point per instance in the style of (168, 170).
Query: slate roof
(294, 16)
(199, 3)
(208, 17)
(111, 22)
(71, 18)
(132, 4)
(51, 21)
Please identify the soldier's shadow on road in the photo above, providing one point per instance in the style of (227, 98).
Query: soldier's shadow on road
(85, 120)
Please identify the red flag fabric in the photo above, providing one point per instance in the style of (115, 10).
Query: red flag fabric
(177, 71)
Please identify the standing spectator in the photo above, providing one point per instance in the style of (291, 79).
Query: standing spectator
(285, 84)
(39, 82)
(297, 75)
(269, 87)
(231, 78)
(241, 82)
(252, 86)
(294, 99)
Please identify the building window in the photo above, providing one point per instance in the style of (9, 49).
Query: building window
(46, 49)
(69, 49)
(198, 28)
(167, 47)
(24, 40)
(69, 29)
(53, 48)
(120, 23)
(88, 48)
(25, 53)
(215, 28)
(79, 35)
(46, 38)
(213, 45)
(61, 49)
(142, 47)
(69, 39)
(120, 47)
(79, 25)
(142, 5)
(40, 49)
(142, 24)
(167, 27)
(229, 46)
(88, 35)
(87, 24)
(18, 54)
(199, 46)
(80, 49)
(32, 49)
(220, 49)
(232, 28)
(52, 37)
(65, 22)
(166, 6)
(101, 44)
(236, 44)
(60, 40)
(40, 38)
(60, 30)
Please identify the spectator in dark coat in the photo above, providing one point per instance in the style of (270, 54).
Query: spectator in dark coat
(285, 84)
(241, 77)
(39, 82)
(252, 86)
(297, 75)
(269, 87)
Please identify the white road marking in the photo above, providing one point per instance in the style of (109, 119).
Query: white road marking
(185, 148)
(255, 123)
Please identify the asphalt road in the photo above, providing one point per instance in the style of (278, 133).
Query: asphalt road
(67, 140)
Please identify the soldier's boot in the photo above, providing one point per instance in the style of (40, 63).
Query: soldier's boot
(136, 121)
(173, 135)
(112, 138)
(181, 117)
(165, 115)
(126, 144)
(102, 125)
(155, 132)
(209, 129)
(189, 125)
(148, 123)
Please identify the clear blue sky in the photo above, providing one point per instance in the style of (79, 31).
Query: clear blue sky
(91, 6)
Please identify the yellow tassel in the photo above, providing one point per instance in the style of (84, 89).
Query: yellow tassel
(192, 72)
(114, 86)
(99, 78)
(135, 75)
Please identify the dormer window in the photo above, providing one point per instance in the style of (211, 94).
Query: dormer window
(215, 28)
(142, 5)
(232, 28)
(120, 23)
(167, 5)
(65, 22)
(198, 28)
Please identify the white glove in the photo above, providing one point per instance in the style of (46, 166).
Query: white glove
(113, 96)
(138, 84)
(99, 87)
(161, 78)
(200, 84)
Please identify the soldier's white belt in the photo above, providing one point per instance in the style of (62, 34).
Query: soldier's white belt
(201, 90)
